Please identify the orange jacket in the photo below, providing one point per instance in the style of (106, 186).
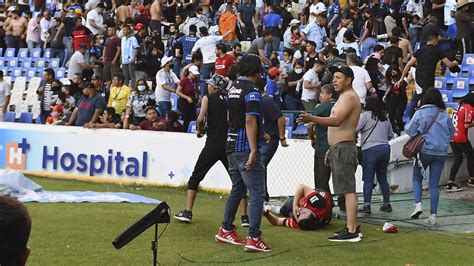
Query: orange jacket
(228, 22)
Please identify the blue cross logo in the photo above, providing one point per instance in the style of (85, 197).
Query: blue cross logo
(171, 175)
(23, 145)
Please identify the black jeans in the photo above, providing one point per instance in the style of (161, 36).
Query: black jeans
(322, 174)
(205, 162)
(187, 110)
(459, 149)
(396, 106)
(267, 151)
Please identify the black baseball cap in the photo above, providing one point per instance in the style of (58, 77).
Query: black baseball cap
(347, 71)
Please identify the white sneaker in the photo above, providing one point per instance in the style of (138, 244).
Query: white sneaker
(431, 220)
(418, 210)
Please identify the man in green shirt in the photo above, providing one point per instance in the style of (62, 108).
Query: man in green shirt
(319, 137)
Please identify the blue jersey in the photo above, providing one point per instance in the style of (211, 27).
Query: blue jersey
(188, 42)
(272, 91)
(243, 99)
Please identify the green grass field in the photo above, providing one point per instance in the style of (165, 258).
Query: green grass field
(82, 234)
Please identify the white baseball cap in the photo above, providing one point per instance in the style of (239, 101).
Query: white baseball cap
(194, 70)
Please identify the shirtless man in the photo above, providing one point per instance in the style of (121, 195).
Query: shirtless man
(342, 155)
(123, 12)
(8, 32)
(156, 16)
(18, 27)
(403, 44)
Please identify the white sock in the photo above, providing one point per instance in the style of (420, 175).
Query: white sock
(275, 209)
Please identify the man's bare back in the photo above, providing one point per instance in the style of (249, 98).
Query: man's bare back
(405, 45)
(348, 102)
(155, 11)
(123, 12)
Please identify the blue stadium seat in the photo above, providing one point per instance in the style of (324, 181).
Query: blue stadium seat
(301, 130)
(174, 101)
(4, 70)
(23, 53)
(441, 83)
(26, 62)
(47, 53)
(470, 75)
(53, 63)
(30, 72)
(192, 127)
(289, 132)
(452, 105)
(40, 72)
(467, 62)
(60, 72)
(12, 62)
(451, 76)
(447, 96)
(36, 53)
(3, 62)
(16, 72)
(289, 119)
(10, 117)
(10, 52)
(460, 87)
(26, 118)
(39, 62)
(281, 47)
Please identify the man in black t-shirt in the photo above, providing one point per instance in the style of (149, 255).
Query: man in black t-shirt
(426, 58)
(245, 163)
(214, 110)
(393, 55)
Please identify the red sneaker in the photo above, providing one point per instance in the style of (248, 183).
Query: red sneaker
(256, 245)
(230, 237)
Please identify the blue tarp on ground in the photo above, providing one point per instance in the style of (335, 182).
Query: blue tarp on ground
(15, 184)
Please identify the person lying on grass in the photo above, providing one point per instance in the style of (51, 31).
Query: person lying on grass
(309, 209)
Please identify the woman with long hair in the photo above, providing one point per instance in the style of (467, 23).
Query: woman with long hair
(463, 119)
(435, 148)
(369, 34)
(396, 98)
(375, 131)
(141, 97)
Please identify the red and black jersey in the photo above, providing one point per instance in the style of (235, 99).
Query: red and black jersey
(319, 202)
(81, 35)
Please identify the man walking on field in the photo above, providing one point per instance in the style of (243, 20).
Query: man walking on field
(342, 155)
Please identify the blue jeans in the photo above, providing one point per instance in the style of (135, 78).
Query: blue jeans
(43, 115)
(292, 103)
(375, 161)
(58, 53)
(435, 163)
(367, 48)
(177, 66)
(67, 50)
(267, 151)
(242, 180)
(413, 103)
(205, 71)
(163, 108)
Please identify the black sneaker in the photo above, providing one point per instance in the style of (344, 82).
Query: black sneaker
(345, 228)
(386, 208)
(345, 236)
(470, 182)
(453, 187)
(245, 221)
(184, 216)
(365, 210)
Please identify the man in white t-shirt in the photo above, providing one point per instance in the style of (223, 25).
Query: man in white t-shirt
(312, 86)
(4, 95)
(45, 24)
(315, 9)
(166, 83)
(95, 21)
(77, 64)
(362, 82)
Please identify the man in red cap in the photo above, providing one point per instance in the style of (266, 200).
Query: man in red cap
(272, 89)
(142, 17)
